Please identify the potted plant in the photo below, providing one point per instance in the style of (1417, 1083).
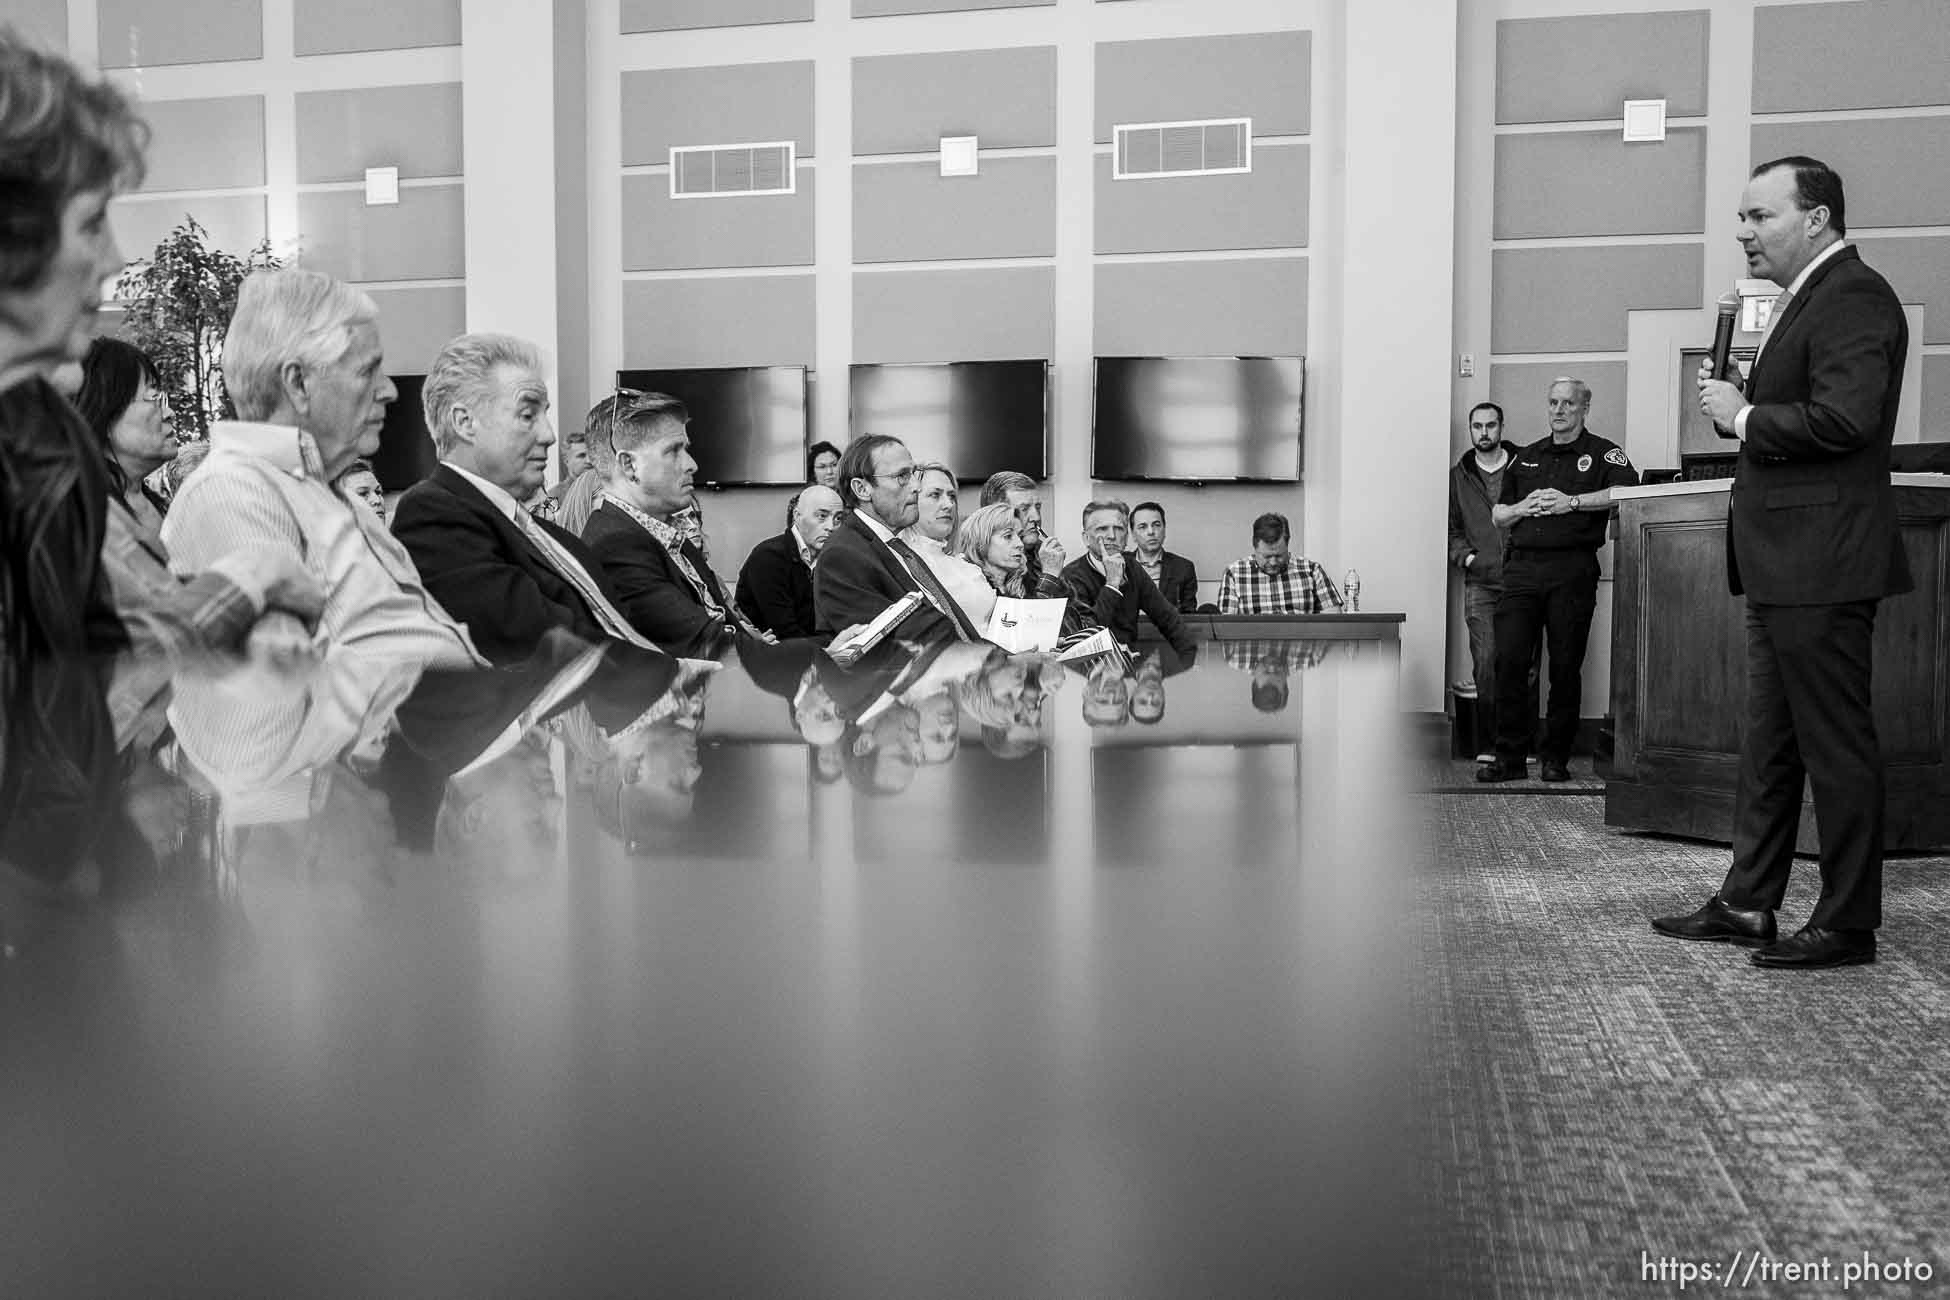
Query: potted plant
(177, 306)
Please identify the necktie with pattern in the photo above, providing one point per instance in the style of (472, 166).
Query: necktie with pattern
(570, 569)
(932, 585)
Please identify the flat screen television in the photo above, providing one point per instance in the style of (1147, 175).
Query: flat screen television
(748, 423)
(1198, 419)
(405, 454)
(977, 416)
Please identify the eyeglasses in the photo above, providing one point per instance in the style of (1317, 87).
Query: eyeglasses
(901, 479)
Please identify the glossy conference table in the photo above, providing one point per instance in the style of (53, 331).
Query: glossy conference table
(1005, 987)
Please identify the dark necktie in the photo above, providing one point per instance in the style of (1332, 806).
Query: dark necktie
(918, 567)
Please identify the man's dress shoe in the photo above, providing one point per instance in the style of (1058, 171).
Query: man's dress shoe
(1811, 949)
(1498, 770)
(1718, 923)
(1554, 771)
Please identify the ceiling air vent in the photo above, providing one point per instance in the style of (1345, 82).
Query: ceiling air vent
(1148, 150)
(713, 171)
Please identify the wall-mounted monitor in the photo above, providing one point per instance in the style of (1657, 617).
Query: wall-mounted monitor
(405, 454)
(1198, 419)
(976, 416)
(748, 423)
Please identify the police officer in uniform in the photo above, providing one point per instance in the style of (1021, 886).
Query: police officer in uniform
(1556, 501)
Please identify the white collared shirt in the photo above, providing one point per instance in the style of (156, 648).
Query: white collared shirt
(1787, 295)
(497, 497)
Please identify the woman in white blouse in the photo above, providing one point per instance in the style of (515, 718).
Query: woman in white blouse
(931, 534)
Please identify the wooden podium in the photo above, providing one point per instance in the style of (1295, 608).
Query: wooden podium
(1679, 671)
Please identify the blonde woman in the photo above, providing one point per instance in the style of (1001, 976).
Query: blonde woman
(991, 540)
(932, 536)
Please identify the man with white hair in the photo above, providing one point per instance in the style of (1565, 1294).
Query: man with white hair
(304, 366)
(510, 577)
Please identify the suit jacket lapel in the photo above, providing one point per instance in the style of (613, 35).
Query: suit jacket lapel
(1797, 303)
(889, 562)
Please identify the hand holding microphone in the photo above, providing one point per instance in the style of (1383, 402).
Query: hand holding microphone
(1720, 395)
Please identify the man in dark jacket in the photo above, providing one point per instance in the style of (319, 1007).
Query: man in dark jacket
(1476, 547)
(1108, 588)
(1172, 574)
(775, 588)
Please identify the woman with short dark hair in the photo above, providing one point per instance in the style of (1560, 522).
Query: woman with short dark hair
(823, 465)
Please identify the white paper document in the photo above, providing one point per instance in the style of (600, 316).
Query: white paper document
(1019, 625)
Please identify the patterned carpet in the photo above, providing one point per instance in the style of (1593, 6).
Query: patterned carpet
(1598, 1093)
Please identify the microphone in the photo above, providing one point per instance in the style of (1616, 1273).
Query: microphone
(1723, 332)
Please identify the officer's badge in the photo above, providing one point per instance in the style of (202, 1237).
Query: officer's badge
(1584, 463)
(1617, 457)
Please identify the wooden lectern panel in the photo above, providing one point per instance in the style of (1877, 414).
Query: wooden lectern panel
(1679, 673)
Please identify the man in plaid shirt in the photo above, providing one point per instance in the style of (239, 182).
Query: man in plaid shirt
(1273, 580)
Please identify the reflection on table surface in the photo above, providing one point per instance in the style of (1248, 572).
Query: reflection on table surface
(953, 972)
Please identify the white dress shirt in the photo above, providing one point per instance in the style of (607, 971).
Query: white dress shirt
(1780, 305)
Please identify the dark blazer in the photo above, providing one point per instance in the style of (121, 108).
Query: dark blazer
(480, 568)
(1812, 520)
(1178, 581)
(1093, 604)
(858, 576)
(653, 592)
(775, 588)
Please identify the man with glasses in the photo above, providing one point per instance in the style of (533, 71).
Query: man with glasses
(865, 566)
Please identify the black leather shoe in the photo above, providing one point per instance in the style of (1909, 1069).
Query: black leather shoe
(1718, 923)
(1555, 771)
(1498, 770)
(1811, 949)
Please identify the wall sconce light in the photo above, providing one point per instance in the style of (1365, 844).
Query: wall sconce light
(958, 155)
(382, 186)
(1645, 120)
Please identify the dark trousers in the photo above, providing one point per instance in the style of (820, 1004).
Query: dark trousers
(1809, 718)
(1552, 594)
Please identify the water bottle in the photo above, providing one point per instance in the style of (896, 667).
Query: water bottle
(1351, 588)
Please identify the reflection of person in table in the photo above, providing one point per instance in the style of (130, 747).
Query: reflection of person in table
(1148, 691)
(1106, 696)
(502, 819)
(882, 756)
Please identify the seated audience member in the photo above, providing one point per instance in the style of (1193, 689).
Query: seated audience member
(584, 491)
(775, 588)
(1171, 574)
(169, 620)
(990, 542)
(933, 537)
(304, 366)
(510, 577)
(690, 525)
(1108, 589)
(575, 463)
(1273, 580)
(1043, 575)
(663, 582)
(122, 399)
(866, 566)
(359, 483)
(823, 465)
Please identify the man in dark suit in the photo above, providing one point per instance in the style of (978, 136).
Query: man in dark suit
(1812, 543)
(1108, 587)
(1171, 574)
(775, 588)
(663, 583)
(509, 577)
(865, 566)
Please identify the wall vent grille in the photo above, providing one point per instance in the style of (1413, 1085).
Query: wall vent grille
(1153, 150)
(717, 171)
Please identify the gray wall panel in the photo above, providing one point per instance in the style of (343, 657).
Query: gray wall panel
(676, 15)
(414, 324)
(1898, 55)
(414, 128)
(741, 320)
(1520, 389)
(1918, 268)
(42, 21)
(1584, 69)
(205, 144)
(1267, 76)
(665, 234)
(990, 314)
(152, 33)
(1248, 307)
(234, 222)
(905, 103)
(1936, 399)
(348, 26)
(910, 212)
(1593, 183)
(422, 237)
(1896, 170)
(739, 104)
(880, 8)
(1575, 299)
(1263, 208)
